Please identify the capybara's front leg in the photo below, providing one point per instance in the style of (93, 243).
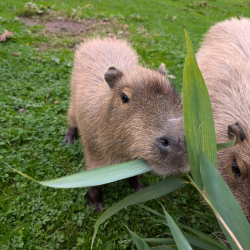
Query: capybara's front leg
(135, 184)
(71, 135)
(95, 198)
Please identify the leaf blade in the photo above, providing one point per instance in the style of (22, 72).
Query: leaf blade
(95, 177)
(179, 238)
(225, 145)
(201, 243)
(198, 116)
(139, 242)
(163, 247)
(153, 191)
(168, 241)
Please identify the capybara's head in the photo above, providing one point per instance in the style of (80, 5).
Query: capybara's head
(143, 119)
(234, 166)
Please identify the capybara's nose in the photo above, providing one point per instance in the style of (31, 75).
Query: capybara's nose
(163, 143)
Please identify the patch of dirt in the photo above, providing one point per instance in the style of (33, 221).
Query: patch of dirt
(65, 26)
(30, 22)
(67, 33)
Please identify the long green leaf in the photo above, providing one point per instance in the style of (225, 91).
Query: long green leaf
(168, 241)
(201, 243)
(179, 238)
(163, 247)
(151, 211)
(207, 238)
(225, 204)
(208, 216)
(198, 242)
(198, 116)
(95, 177)
(139, 242)
(151, 192)
(229, 144)
(203, 237)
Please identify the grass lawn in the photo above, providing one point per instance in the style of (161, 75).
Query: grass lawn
(35, 68)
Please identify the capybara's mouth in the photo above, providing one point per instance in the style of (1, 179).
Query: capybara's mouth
(164, 169)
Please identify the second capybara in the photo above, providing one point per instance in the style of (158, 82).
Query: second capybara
(123, 112)
(224, 60)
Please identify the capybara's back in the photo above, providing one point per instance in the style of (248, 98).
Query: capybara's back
(224, 60)
(123, 111)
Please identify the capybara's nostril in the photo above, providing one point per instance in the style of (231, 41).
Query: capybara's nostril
(163, 143)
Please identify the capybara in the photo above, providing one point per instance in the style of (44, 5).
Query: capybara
(123, 112)
(224, 60)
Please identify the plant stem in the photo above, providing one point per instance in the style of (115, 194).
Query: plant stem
(215, 212)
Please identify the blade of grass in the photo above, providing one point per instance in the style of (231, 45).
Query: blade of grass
(209, 216)
(201, 243)
(163, 247)
(205, 237)
(139, 242)
(167, 241)
(152, 211)
(179, 238)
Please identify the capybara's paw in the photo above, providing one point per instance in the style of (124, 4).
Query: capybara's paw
(98, 206)
(135, 184)
(139, 187)
(71, 135)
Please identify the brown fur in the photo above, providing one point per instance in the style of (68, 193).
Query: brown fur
(224, 60)
(112, 131)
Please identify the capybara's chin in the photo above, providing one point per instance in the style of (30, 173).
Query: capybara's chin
(167, 169)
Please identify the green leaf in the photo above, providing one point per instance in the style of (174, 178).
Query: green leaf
(201, 243)
(179, 238)
(139, 242)
(225, 145)
(207, 238)
(208, 216)
(198, 116)
(151, 211)
(98, 176)
(153, 191)
(168, 241)
(204, 237)
(225, 204)
(163, 247)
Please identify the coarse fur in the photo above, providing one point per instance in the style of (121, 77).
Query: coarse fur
(123, 112)
(224, 60)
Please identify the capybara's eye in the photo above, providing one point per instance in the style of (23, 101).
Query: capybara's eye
(235, 168)
(125, 99)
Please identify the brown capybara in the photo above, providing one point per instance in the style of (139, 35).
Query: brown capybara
(224, 60)
(123, 112)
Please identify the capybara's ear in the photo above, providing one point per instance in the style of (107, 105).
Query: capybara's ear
(162, 69)
(236, 130)
(112, 76)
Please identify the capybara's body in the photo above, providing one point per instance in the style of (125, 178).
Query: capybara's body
(123, 111)
(224, 60)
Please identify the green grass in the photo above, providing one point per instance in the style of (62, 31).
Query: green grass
(35, 217)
